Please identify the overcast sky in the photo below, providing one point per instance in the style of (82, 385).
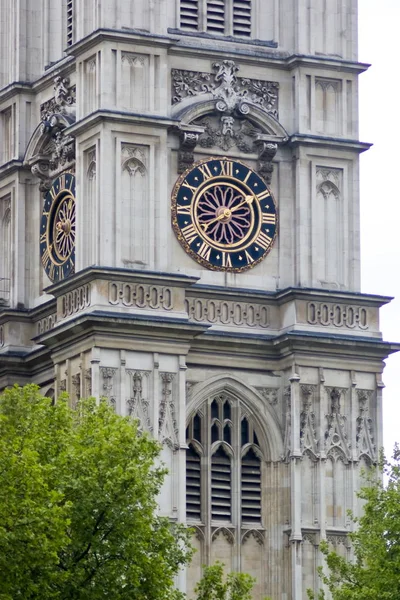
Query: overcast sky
(379, 22)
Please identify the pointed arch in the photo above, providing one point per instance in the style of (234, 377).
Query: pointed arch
(271, 442)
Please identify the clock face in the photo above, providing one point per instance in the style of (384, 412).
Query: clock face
(57, 229)
(224, 215)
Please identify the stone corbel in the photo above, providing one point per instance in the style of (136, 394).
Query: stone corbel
(188, 138)
(267, 149)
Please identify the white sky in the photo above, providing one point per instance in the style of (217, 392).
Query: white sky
(379, 35)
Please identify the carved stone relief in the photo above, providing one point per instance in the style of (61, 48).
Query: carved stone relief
(133, 159)
(62, 102)
(232, 92)
(108, 381)
(259, 536)
(308, 437)
(46, 324)
(141, 295)
(167, 422)
(138, 402)
(269, 394)
(225, 312)
(336, 442)
(365, 438)
(88, 382)
(76, 300)
(338, 315)
(228, 534)
(76, 388)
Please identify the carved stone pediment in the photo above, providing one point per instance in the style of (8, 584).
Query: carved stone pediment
(51, 150)
(222, 111)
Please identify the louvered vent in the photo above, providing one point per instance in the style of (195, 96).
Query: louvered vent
(190, 15)
(216, 16)
(193, 492)
(251, 488)
(70, 22)
(220, 486)
(242, 17)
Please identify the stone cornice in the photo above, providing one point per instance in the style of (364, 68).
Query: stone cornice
(120, 36)
(304, 139)
(10, 167)
(115, 116)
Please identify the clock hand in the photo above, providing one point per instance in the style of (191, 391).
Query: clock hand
(247, 200)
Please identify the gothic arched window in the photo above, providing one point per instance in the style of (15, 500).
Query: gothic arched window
(223, 466)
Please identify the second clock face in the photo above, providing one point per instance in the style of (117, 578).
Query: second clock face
(57, 229)
(224, 215)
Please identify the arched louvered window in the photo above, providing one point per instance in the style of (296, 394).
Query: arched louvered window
(221, 486)
(70, 22)
(251, 488)
(193, 484)
(223, 466)
(217, 17)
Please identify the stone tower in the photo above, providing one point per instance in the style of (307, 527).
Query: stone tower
(179, 231)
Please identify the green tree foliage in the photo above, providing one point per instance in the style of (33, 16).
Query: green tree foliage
(78, 500)
(213, 585)
(375, 572)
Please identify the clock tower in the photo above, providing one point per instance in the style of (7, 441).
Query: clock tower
(179, 233)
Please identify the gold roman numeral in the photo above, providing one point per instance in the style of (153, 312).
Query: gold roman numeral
(226, 259)
(205, 171)
(263, 195)
(226, 168)
(205, 251)
(269, 218)
(189, 233)
(190, 187)
(45, 257)
(43, 237)
(62, 181)
(249, 258)
(245, 180)
(51, 271)
(263, 240)
(182, 210)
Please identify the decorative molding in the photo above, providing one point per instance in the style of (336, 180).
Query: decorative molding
(364, 437)
(308, 436)
(226, 312)
(108, 377)
(133, 60)
(337, 539)
(269, 394)
(167, 422)
(140, 295)
(266, 153)
(76, 388)
(287, 446)
(138, 402)
(189, 386)
(229, 534)
(46, 324)
(133, 160)
(309, 537)
(63, 385)
(64, 98)
(75, 301)
(259, 536)
(91, 162)
(231, 92)
(338, 315)
(336, 442)
(88, 382)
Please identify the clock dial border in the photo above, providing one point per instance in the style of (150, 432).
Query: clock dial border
(247, 182)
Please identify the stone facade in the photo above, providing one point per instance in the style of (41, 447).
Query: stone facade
(264, 387)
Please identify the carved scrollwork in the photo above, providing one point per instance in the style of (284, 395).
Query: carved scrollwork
(338, 315)
(365, 437)
(336, 442)
(225, 312)
(308, 438)
(64, 98)
(269, 394)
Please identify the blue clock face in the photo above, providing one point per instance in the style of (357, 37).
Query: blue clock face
(57, 229)
(224, 215)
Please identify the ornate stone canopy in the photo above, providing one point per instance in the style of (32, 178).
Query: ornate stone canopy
(51, 150)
